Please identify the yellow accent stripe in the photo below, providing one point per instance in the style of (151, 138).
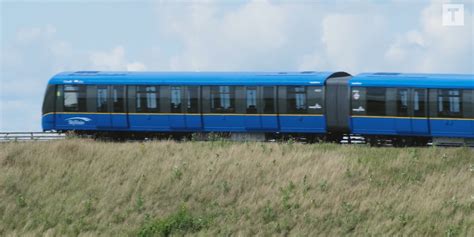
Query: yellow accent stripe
(393, 117)
(310, 115)
(453, 118)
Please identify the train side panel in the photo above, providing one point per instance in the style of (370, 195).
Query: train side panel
(373, 125)
(302, 124)
(452, 128)
(452, 112)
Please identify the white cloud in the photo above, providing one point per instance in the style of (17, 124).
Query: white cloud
(368, 42)
(255, 35)
(412, 40)
(26, 35)
(23, 115)
(114, 60)
(349, 42)
(31, 59)
(354, 42)
(136, 66)
(314, 61)
(246, 38)
(432, 47)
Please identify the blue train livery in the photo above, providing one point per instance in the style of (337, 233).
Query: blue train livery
(403, 108)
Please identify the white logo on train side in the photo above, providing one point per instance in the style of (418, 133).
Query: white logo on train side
(360, 109)
(77, 120)
(356, 95)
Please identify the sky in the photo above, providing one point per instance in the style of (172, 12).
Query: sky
(41, 38)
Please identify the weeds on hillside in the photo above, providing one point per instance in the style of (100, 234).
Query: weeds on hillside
(287, 193)
(182, 222)
(221, 188)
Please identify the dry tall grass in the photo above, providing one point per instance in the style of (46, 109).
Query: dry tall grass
(87, 188)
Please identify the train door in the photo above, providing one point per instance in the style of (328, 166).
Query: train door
(111, 107)
(59, 106)
(177, 117)
(269, 118)
(252, 113)
(119, 116)
(193, 116)
(419, 121)
(103, 116)
(450, 113)
(403, 122)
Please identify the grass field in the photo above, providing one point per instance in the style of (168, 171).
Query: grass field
(81, 187)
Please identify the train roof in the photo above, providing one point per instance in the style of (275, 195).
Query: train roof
(379, 79)
(195, 78)
(414, 80)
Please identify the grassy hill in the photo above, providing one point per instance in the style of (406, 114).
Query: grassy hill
(82, 187)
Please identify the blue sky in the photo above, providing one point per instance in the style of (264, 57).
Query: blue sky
(41, 38)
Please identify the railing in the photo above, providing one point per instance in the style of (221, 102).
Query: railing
(30, 136)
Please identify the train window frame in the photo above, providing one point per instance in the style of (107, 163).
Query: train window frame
(315, 99)
(403, 102)
(420, 108)
(468, 103)
(149, 97)
(102, 99)
(49, 102)
(358, 102)
(449, 103)
(251, 100)
(79, 94)
(192, 99)
(222, 94)
(376, 101)
(176, 99)
(296, 98)
(268, 100)
(118, 98)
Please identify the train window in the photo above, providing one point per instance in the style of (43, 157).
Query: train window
(315, 100)
(102, 99)
(449, 103)
(251, 106)
(358, 101)
(192, 100)
(419, 101)
(376, 101)
(147, 99)
(402, 102)
(222, 99)
(176, 99)
(48, 103)
(296, 100)
(268, 100)
(75, 98)
(118, 96)
(468, 103)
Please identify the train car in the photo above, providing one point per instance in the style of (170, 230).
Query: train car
(403, 109)
(412, 108)
(151, 103)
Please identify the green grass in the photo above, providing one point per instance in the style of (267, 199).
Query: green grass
(181, 222)
(81, 187)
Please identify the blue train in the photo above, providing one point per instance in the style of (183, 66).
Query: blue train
(403, 109)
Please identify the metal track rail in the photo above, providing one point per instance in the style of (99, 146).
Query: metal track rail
(30, 136)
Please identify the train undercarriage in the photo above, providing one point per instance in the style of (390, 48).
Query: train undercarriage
(376, 141)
